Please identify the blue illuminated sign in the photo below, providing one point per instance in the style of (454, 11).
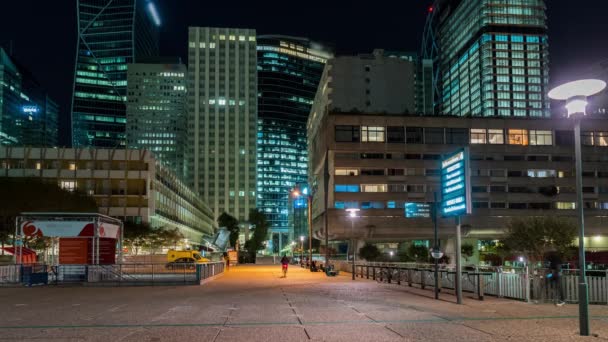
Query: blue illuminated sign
(416, 210)
(30, 109)
(455, 185)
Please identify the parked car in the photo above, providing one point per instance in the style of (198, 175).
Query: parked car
(181, 264)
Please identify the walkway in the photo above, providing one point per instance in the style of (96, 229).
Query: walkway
(252, 303)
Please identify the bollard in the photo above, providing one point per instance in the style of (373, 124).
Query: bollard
(480, 286)
(389, 274)
(409, 277)
(398, 276)
(422, 279)
(374, 273)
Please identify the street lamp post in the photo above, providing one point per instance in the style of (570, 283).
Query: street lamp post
(575, 94)
(305, 192)
(352, 213)
(301, 249)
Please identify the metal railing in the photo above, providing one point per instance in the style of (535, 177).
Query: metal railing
(118, 274)
(512, 283)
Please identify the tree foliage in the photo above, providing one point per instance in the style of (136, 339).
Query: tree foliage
(231, 224)
(19, 195)
(141, 235)
(260, 233)
(369, 252)
(467, 250)
(418, 253)
(536, 236)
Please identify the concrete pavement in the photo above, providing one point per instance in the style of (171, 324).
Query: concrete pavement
(253, 303)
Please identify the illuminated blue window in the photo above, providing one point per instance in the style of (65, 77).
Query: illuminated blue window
(339, 205)
(347, 188)
(391, 205)
(531, 39)
(372, 205)
(502, 38)
(517, 39)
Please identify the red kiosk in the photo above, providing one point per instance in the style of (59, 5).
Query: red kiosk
(84, 238)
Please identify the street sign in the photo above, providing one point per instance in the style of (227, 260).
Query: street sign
(416, 210)
(455, 184)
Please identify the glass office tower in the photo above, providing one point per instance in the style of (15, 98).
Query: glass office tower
(111, 34)
(28, 116)
(156, 109)
(222, 115)
(289, 70)
(492, 57)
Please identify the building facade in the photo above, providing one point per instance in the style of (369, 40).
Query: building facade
(492, 57)
(289, 70)
(111, 34)
(156, 111)
(28, 116)
(519, 168)
(127, 184)
(222, 118)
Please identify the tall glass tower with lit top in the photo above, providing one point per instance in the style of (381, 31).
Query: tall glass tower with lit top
(111, 34)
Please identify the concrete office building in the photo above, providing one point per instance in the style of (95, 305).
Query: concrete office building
(156, 110)
(28, 116)
(289, 70)
(519, 168)
(222, 118)
(111, 34)
(127, 184)
(492, 57)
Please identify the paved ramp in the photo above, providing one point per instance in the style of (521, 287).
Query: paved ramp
(253, 303)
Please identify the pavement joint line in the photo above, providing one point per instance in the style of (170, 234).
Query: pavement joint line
(168, 325)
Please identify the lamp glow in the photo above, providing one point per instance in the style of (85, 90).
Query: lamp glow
(154, 13)
(575, 94)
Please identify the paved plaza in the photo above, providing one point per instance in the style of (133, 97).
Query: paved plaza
(252, 303)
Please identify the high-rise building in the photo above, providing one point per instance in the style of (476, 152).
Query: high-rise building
(156, 110)
(28, 116)
(289, 70)
(491, 57)
(222, 118)
(111, 34)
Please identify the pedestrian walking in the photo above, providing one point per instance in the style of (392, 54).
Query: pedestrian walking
(284, 265)
(554, 277)
(227, 261)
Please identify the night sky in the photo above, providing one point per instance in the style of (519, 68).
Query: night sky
(44, 31)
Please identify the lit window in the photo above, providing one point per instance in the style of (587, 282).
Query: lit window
(231, 193)
(68, 185)
(346, 188)
(600, 139)
(541, 138)
(38, 166)
(192, 44)
(374, 187)
(252, 38)
(212, 45)
(478, 136)
(221, 102)
(201, 45)
(222, 37)
(241, 38)
(72, 166)
(372, 133)
(211, 101)
(541, 173)
(565, 205)
(496, 136)
(518, 137)
(346, 172)
(241, 193)
(232, 37)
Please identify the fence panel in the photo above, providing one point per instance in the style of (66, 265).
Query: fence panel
(10, 274)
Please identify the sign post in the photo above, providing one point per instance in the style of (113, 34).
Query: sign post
(456, 200)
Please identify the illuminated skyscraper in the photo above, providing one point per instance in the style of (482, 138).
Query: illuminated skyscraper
(222, 115)
(111, 34)
(28, 116)
(289, 70)
(491, 57)
(156, 110)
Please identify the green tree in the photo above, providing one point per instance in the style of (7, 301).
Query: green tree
(536, 236)
(19, 195)
(418, 253)
(232, 225)
(136, 235)
(260, 233)
(467, 251)
(369, 252)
